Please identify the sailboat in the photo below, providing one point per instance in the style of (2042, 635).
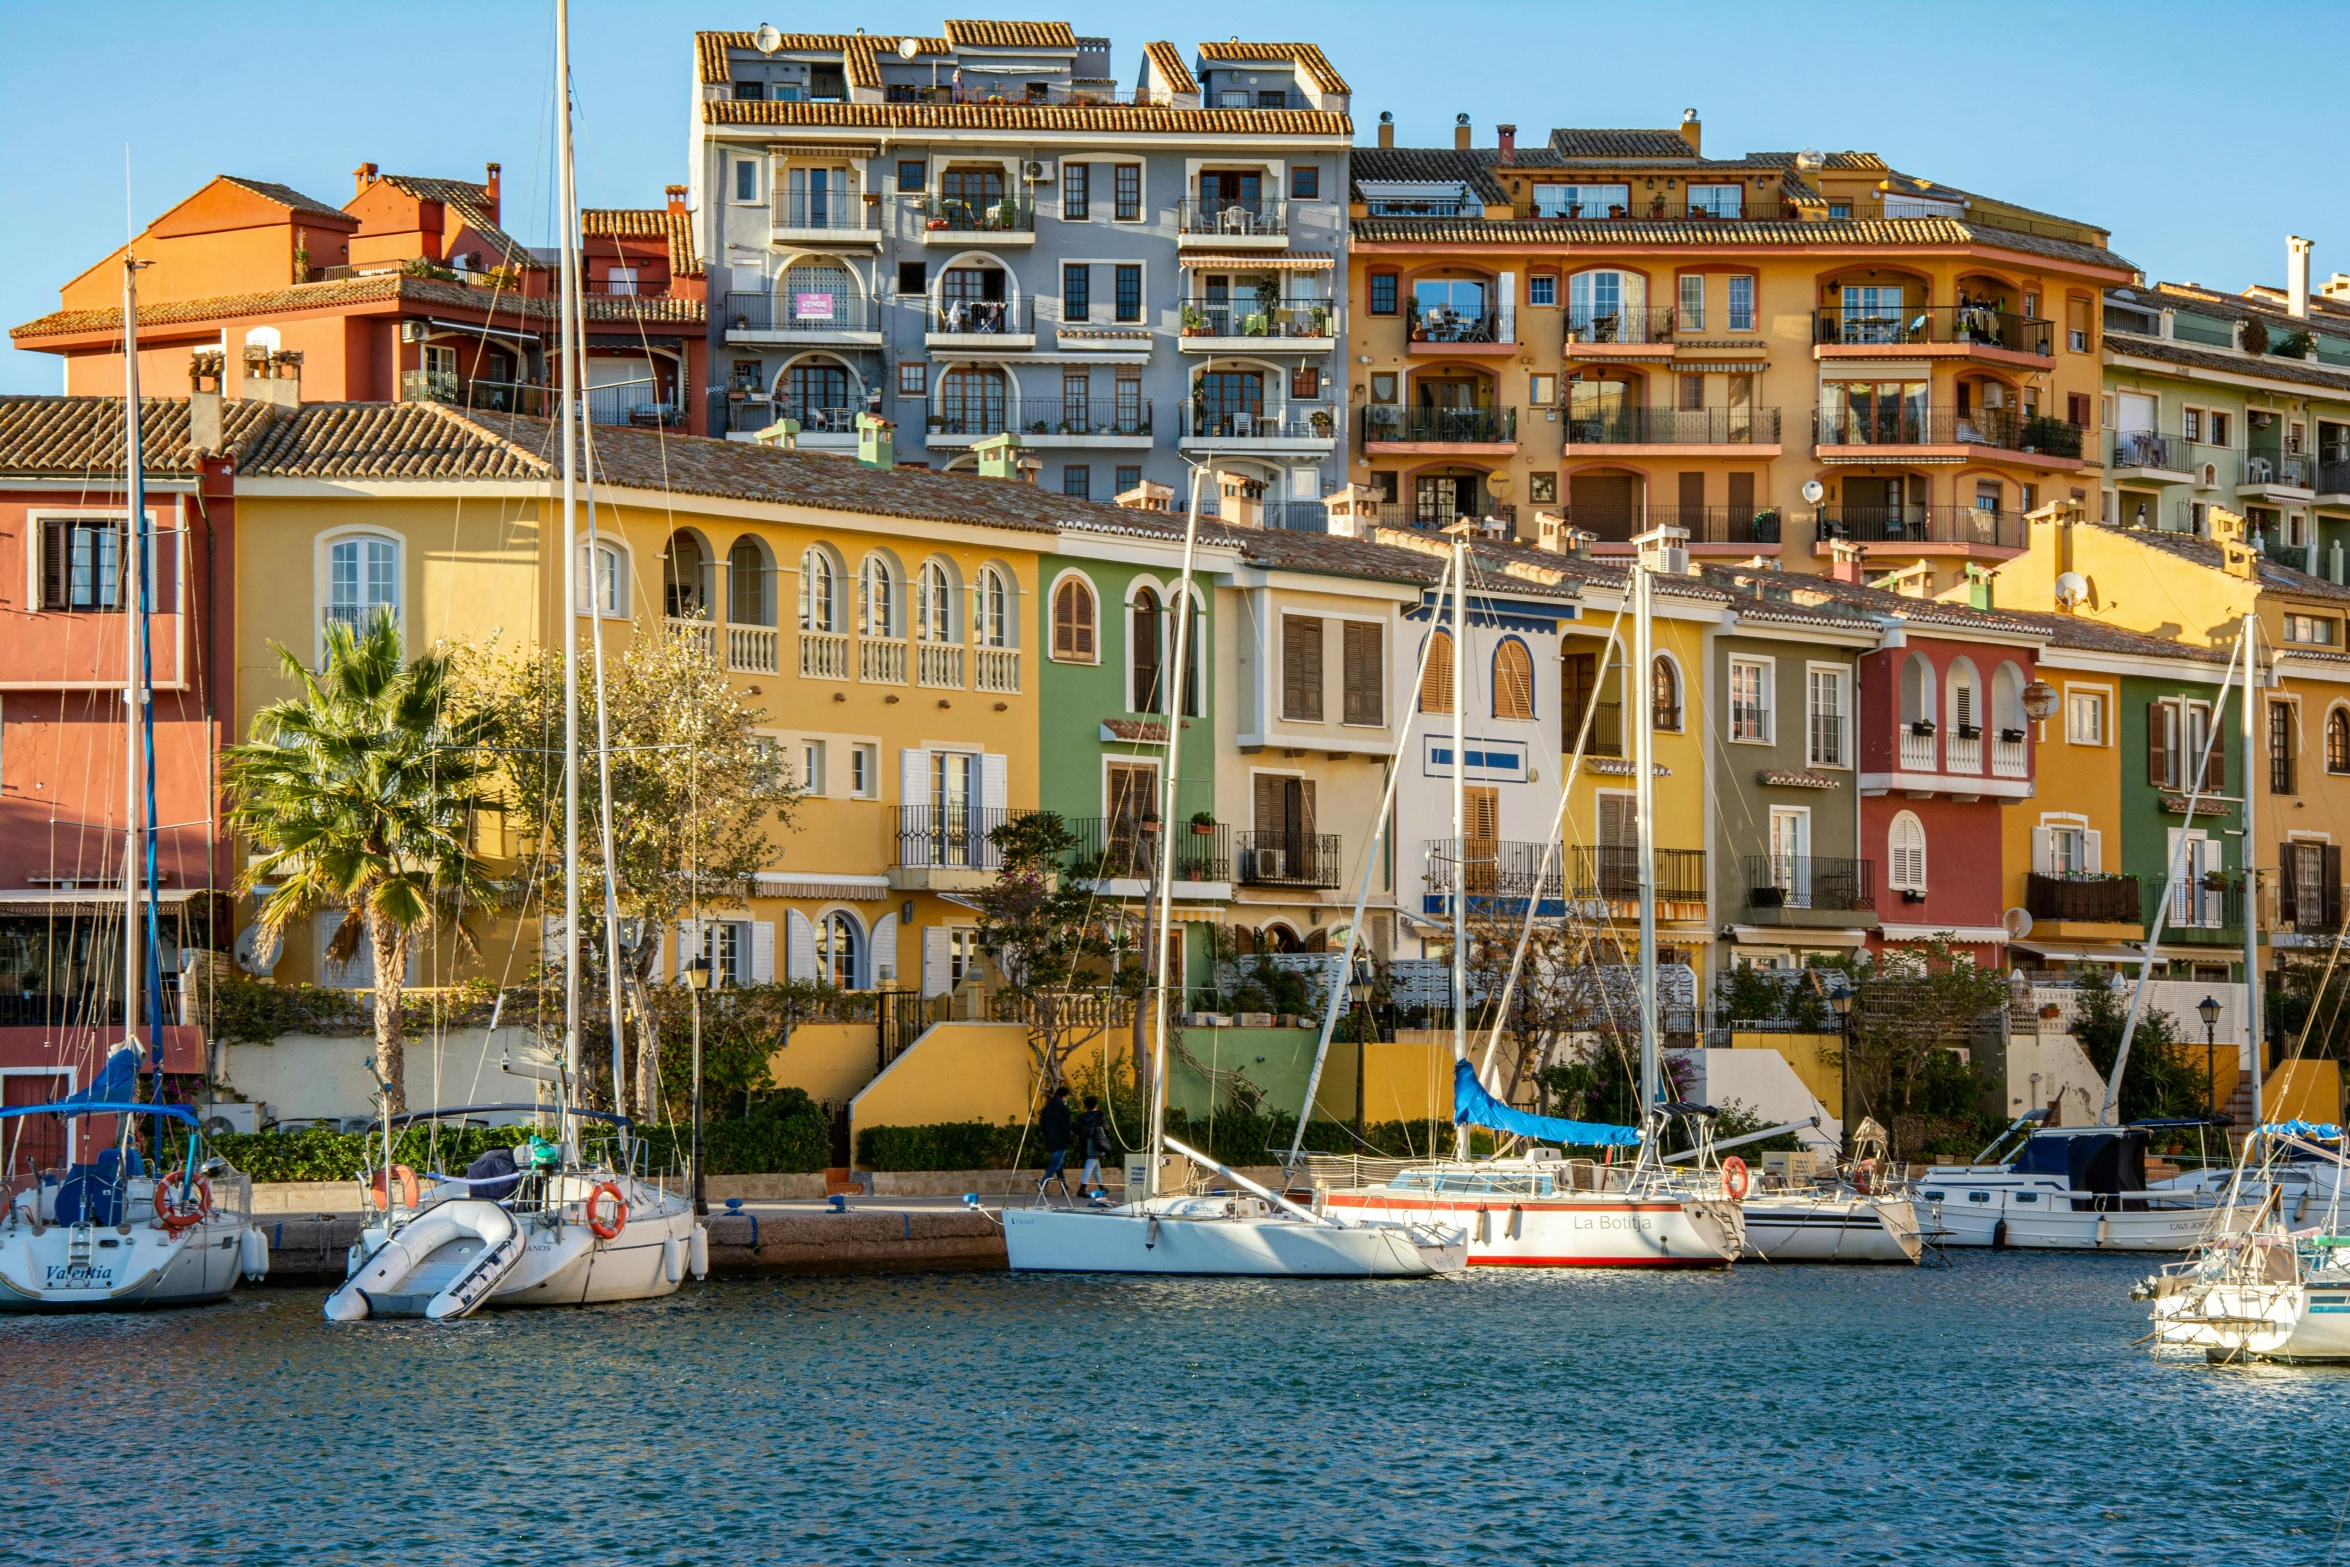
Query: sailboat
(2271, 1290)
(1538, 1208)
(106, 1233)
(1243, 1230)
(554, 1225)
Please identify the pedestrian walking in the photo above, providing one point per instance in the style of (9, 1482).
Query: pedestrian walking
(1093, 1141)
(1053, 1126)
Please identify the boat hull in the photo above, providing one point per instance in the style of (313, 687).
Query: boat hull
(564, 1262)
(1134, 1240)
(1832, 1229)
(144, 1268)
(1569, 1230)
(2051, 1224)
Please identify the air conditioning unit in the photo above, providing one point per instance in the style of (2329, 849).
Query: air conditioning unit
(1272, 864)
(412, 331)
(1039, 172)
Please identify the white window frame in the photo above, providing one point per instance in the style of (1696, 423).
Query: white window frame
(1691, 310)
(2103, 697)
(322, 587)
(1768, 668)
(811, 773)
(1052, 611)
(1841, 675)
(864, 770)
(758, 195)
(1897, 878)
(591, 596)
(1730, 303)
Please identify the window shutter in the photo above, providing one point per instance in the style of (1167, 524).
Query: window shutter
(2043, 852)
(2215, 771)
(915, 834)
(1364, 696)
(1271, 793)
(884, 964)
(1301, 668)
(2157, 745)
(762, 952)
(1617, 822)
(1303, 817)
(55, 547)
(2093, 851)
(800, 946)
(2288, 878)
(938, 968)
(689, 945)
(1436, 686)
(993, 781)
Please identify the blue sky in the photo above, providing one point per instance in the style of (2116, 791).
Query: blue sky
(2202, 137)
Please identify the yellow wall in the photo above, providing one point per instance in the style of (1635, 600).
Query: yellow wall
(1408, 1078)
(1818, 1059)
(954, 1072)
(2303, 1090)
(830, 1062)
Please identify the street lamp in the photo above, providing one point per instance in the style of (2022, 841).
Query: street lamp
(2208, 1010)
(1840, 1002)
(1360, 986)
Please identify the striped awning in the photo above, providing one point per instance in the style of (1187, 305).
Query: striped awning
(1262, 261)
(827, 150)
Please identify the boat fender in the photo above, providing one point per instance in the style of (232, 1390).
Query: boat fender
(1999, 1233)
(173, 1214)
(1864, 1175)
(1484, 1225)
(697, 1253)
(672, 1259)
(595, 1219)
(1150, 1237)
(408, 1187)
(1735, 1180)
(1517, 1225)
(253, 1252)
(2101, 1229)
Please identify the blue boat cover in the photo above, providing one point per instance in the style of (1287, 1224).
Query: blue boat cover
(1473, 1106)
(2323, 1131)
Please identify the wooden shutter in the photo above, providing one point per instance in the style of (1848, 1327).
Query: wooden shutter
(2215, 771)
(1481, 811)
(1272, 795)
(1692, 501)
(1513, 681)
(56, 548)
(1578, 673)
(1365, 672)
(1301, 668)
(1073, 622)
(1741, 493)
(2288, 878)
(1618, 826)
(2158, 717)
(2333, 886)
(1301, 805)
(2043, 852)
(1436, 685)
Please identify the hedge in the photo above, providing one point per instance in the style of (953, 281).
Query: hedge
(1234, 1138)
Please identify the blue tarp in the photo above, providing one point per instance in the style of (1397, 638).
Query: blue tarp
(1473, 1106)
(109, 1093)
(2324, 1132)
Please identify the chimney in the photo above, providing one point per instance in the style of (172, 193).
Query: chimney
(2338, 286)
(1460, 133)
(999, 456)
(2297, 277)
(1554, 533)
(362, 177)
(783, 432)
(1978, 587)
(276, 377)
(1691, 132)
(1507, 135)
(490, 186)
(1241, 500)
(1387, 127)
(876, 445)
(676, 195)
(207, 369)
(1845, 561)
(1149, 495)
(1353, 512)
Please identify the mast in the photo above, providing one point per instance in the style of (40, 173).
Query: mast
(1460, 802)
(133, 634)
(567, 376)
(2252, 1009)
(1643, 714)
(1174, 697)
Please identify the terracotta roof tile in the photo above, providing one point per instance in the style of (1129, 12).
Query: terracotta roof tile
(1602, 143)
(1308, 58)
(1869, 233)
(83, 436)
(385, 441)
(472, 203)
(648, 223)
(287, 196)
(2080, 633)
(1172, 69)
(2202, 552)
(2275, 367)
(1032, 117)
(376, 288)
(1011, 35)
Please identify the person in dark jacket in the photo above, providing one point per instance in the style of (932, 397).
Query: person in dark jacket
(1053, 1127)
(1093, 1141)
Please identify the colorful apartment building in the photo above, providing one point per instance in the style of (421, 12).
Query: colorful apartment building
(1613, 323)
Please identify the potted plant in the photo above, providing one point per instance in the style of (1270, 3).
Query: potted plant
(1321, 321)
(1970, 731)
(1008, 214)
(1195, 321)
(1923, 726)
(1203, 823)
(1765, 524)
(1254, 325)
(2012, 736)
(1324, 423)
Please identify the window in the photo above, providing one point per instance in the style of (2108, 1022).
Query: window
(750, 600)
(1741, 304)
(1077, 481)
(2312, 630)
(1129, 280)
(599, 588)
(1128, 184)
(1073, 622)
(1383, 384)
(1689, 393)
(1305, 383)
(2191, 423)
(1839, 211)
(1301, 668)
(2068, 849)
(934, 604)
(1542, 288)
(1513, 680)
(1128, 478)
(746, 180)
(2077, 409)
(1364, 673)
(1305, 182)
(1692, 296)
(2084, 717)
(1076, 292)
(750, 91)
(1906, 853)
(913, 279)
(910, 174)
(1541, 390)
(1827, 719)
(82, 563)
(1076, 192)
(2219, 428)
(728, 953)
(1436, 684)
(1664, 695)
(1142, 653)
(1750, 700)
(363, 580)
(2175, 737)
(811, 779)
(913, 380)
(877, 594)
(2076, 330)
(1717, 201)
(837, 950)
(1383, 293)
(1582, 201)
(865, 771)
(2338, 741)
(991, 609)
(2282, 732)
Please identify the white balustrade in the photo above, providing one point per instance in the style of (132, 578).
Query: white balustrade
(753, 650)
(824, 655)
(999, 669)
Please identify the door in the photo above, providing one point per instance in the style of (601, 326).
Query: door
(1607, 504)
(1791, 854)
(971, 402)
(2191, 902)
(970, 196)
(2133, 414)
(1284, 828)
(1231, 401)
(1873, 506)
(1133, 792)
(1481, 826)
(954, 795)
(817, 395)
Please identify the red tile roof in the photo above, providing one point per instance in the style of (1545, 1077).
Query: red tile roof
(1011, 35)
(648, 223)
(1172, 70)
(1308, 57)
(82, 437)
(1032, 117)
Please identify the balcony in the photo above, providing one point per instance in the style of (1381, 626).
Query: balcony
(980, 324)
(2011, 757)
(1046, 421)
(1962, 753)
(1677, 428)
(1966, 527)
(833, 217)
(1749, 208)
(1611, 873)
(641, 404)
(824, 655)
(1300, 322)
(881, 661)
(802, 316)
(998, 669)
(1920, 752)
(1908, 426)
(2271, 472)
(1737, 526)
(939, 665)
(2144, 454)
(754, 650)
(2333, 480)
(1128, 849)
(1287, 859)
(1443, 330)
(1645, 328)
(452, 391)
(1607, 728)
(2083, 896)
(1218, 223)
(1307, 429)
(946, 847)
(2213, 902)
(702, 634)
(959, 221)
(1493, 868)
(1840, 333)
(1802, 882)
(1421, 428)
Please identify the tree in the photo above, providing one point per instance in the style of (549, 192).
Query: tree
(359, 794)
(2161, 1080)
(1916, 1008)
(694, 792)
(1046, 934)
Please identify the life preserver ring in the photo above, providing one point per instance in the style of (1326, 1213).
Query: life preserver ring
(408, 1186)
(1864, 1175)
(175, 1216)
(1734, 1178)
(605, 1232)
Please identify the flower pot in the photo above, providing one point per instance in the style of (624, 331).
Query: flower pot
(1204, 829)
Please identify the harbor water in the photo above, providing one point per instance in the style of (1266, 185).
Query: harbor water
(1989, 1411)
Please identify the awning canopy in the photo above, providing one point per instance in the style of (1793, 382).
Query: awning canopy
(1797, 936)
(75, 900)
(1262, 261)
(2122, 952)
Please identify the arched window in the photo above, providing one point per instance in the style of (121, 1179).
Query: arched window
(1513, 680)
(1436, 684)
(750, 598)
(877, 599)
(838, 944)
(819, 592)
(1906, 853)
(934, 604)
(685, 579)
(1966, 702)
(991, 608)
(1142, 653)
(362, 575)
(2338, 741)
(600, 589)
(1073, 623)
(1664, 694)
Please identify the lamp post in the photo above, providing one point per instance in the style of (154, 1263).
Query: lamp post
(2208, 1010)
(1841, 1003)
(1359, 986)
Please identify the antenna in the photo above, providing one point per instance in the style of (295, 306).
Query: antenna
(909, 47)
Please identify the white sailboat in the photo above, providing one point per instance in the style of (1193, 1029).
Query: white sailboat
(555, 1228)
(1537, 1209)
(2270, 1290)
(1856, 1215)
(1247, 1231)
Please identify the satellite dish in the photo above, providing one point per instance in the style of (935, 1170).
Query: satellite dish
(2071, 588)
(257, 954)
(2039, 700)
(909, 47)
(2018, 923)
(1813, 491)
(767, 39)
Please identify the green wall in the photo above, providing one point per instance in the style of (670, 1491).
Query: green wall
(2145, 825)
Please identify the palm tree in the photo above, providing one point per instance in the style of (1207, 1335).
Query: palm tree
(358, 794)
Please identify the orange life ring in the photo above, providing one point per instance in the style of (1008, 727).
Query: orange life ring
(1863, 1174)
(171, 1214)
(619, 1222)
(1734, 1178)
(408, 1186)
